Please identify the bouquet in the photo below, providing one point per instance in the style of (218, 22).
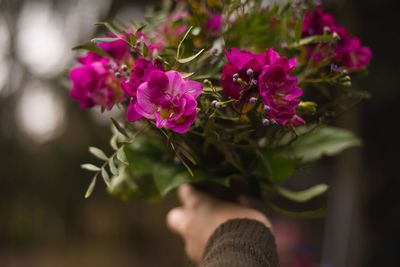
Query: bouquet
(221, 94)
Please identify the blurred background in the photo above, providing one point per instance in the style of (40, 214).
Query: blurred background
(44, 219)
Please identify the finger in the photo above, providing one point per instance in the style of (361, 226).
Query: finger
(190, 197)
(176, 220)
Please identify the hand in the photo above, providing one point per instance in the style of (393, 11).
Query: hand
(201, 215)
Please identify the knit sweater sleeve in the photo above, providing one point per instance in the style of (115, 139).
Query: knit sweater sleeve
(241, 242)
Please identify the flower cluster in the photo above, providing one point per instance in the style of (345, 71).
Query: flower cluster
(152, 93)
(248, 76)
(96, 81)
(348, 50)
(230, 85)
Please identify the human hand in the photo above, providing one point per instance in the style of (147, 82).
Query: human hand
(200, 215)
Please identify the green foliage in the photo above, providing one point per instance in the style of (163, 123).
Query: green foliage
(313, 40)
(105, 40)
(91, 187)
(191, 58)
(322, 141)
(317, 213)
(98, 153)
(92, 48)
(90, 167)
(276, 168)
(303, 196)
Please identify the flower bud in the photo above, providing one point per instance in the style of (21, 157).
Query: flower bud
(327, 30)
(347, 83)
(346, 78)
(216, 104)
(336, 36)
(253, 100)
(262, 142)
(250, 72)
(266, 109)
(335, 68)
(266, 122)
(307, 107)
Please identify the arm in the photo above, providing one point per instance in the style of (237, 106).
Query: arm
(241, 242)
(218, 233)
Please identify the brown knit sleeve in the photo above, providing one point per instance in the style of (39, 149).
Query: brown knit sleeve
(239, 243)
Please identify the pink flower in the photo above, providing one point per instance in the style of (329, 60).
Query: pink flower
(348, 49)
(153, 46)
(214, 24)
(240, 64)
(314, 22)
(94, 84)
(139, 74)
(168, 99)
(279, 91)
(268, 73)
(117, 50)
(352, 54)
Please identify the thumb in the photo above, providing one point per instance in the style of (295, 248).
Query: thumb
(176, 220)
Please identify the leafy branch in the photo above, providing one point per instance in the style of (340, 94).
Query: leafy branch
(110, 162)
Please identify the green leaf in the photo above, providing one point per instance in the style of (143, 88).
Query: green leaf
(230, 155)
(122, 157)
(119, 128)
(186, 74)
(90, 167)
(98, 153)
(114, 142)
(90, 189)
(317, 213)
(178, 51)
(305, 195)
(145, 49)
(167, 178)
(104, 40)
(322, 141)
(312, 40)
(281, 167)
(298, 29)
(275, 167)
(140, 29)
(110, 27)
(92, 48)
(242, 135)
(188, 59)
(122, 184)
(113, 168)
(105, 176)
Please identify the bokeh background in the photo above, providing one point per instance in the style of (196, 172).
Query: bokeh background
(44, 219)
